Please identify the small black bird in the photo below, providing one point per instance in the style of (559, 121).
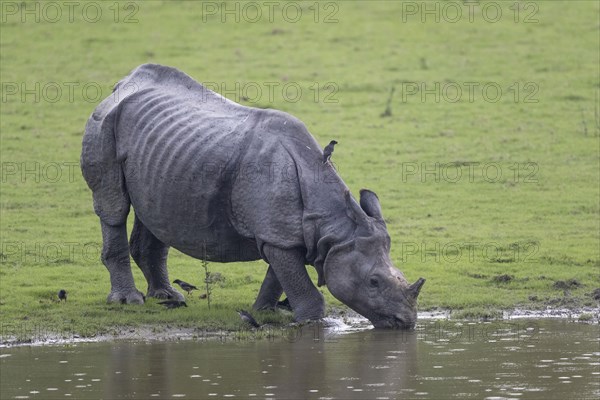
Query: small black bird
(328, 151)
(62, 295)
(246, 317)
(173, 303)
(185, 286)
(284, 304)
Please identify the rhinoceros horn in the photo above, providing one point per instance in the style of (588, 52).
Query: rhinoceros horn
(415, 288)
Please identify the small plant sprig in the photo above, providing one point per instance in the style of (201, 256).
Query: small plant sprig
(583, 123)
(207, 279)
(597, 113)
(388, 107)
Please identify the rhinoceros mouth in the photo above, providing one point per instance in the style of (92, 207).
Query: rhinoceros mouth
(393, 322)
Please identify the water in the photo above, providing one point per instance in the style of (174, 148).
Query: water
(536, 359)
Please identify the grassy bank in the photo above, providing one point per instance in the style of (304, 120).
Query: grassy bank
(485, 159)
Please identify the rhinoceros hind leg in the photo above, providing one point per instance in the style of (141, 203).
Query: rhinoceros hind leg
(306, 301)
(115, 256)
(150, 254)
(270, 292)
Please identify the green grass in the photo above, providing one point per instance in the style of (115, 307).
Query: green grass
(545, 224)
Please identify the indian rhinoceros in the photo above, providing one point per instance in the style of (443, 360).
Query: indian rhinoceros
(223, 182)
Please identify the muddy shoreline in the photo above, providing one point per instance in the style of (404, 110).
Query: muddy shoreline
(338, 322)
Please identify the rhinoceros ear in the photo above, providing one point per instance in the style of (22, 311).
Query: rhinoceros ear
(354, 211)
(369, 202)
(415, 288)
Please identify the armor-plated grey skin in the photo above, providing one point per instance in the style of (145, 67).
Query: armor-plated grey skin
(224, 182)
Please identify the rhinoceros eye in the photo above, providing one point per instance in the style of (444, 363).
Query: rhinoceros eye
(374, 282)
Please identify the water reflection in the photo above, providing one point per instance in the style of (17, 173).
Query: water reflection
(549, 359)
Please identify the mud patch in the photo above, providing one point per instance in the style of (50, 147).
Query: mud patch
(570, 284)
(502, 278)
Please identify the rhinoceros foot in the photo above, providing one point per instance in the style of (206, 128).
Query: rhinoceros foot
(168, 293)
(132, 296)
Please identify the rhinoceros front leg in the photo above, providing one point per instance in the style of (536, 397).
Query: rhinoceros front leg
(306, 301)
(270, 292)
(115, 256)
(150, 254)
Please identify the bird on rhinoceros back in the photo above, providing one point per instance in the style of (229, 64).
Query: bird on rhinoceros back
(159, 149)
(328, 151)
(188, 287)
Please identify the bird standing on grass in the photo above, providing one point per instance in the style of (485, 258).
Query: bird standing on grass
(62, 295)
(246, 317)
(185, 286)
(170, 304)
(328, 151)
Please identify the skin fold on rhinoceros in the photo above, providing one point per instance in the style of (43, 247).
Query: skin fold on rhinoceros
(224, 182)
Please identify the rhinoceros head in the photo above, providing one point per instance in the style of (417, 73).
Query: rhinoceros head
(359, 271)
